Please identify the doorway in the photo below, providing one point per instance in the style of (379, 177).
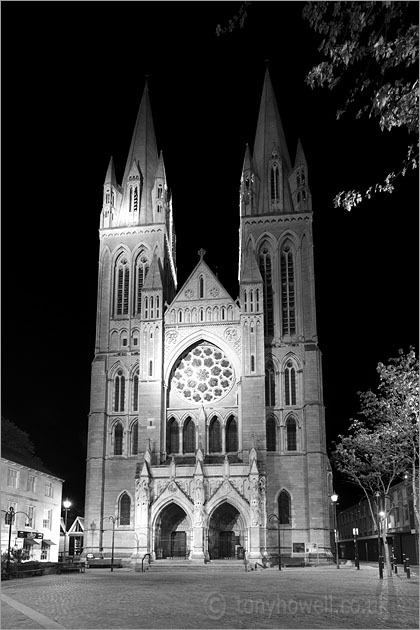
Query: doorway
(178, 544)
(226, 544)
(226, 532)
(172, 527)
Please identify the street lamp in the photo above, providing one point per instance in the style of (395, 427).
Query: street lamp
(9, 520)
(278, 535)
(356, 550)
(379, 515)
(66, 506)
(334, 499)
(113, 519)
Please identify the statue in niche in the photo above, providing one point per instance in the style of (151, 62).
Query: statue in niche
(255, 503)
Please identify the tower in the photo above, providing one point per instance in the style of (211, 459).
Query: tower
(206, 412)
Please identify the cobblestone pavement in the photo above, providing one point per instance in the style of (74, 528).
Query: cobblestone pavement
(293, 598)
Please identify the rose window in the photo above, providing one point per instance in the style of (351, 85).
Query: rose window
(203, 375)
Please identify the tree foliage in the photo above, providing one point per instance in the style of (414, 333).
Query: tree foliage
(372, 47)
(17, 440)
(383, 447)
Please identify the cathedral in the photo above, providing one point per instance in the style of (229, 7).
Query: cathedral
(206, 434)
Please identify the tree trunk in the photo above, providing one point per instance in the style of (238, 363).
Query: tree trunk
(386, 553)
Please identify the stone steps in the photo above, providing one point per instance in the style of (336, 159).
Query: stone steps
(189, 565)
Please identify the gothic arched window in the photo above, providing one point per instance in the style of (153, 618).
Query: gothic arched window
(270, 385)
(134, 438)
(188, 437)
(291, 442)
(124, 509)
(136, 391)
(215, 436)
(142, 266)
(231, 435)
(270, 430)
(118, 439)
(172, 436)
(201, 287)
(119, 391)
(290, 384)
(122, 286)
(284, 508)
(266, 273)
(288, 292)
(275, 183)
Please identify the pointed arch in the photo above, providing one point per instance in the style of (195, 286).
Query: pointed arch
(287, 288)
(291, 434)
(121, 283)
(142, 264)
(284, 508)
(290, 382)
(134, 438)
(265, 264)
(270, 384)
(215, 436)
(271, 433)
(119, 387)
(188, 436)
(172, 436)
(231, 434)
(118, 438)
(124, 509)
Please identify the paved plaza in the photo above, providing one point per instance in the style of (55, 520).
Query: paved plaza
(322, 597)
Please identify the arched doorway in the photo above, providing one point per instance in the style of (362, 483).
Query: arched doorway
(172, 533)
(226, 532)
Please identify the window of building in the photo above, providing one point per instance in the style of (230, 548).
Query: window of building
(122, 286)
(266, 273)
(188, 443)
(124, 509)
(290, 384)
(231, 435)
(215, 436)
(47, 520)
(134, 438)
(275, 183)
(142, 267)
(30, 483)
(150, 368)
(291, 434)
(252, 361)
(119, 391)
(136, 391)
(172, 436)
(12, 477)
(136, 199)
(270, 385)
(48, 489)
(284, 508)
(287, 292)
(201, 287)
(118, 439)
(160, 191)
(30, 518)
(270, 429)
(44, 551)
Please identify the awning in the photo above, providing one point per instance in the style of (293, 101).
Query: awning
(31, 541)
(48, 542)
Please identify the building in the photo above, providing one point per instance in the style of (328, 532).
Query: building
(35, 496)
(401, 528)
(207, 413)
(72, 540)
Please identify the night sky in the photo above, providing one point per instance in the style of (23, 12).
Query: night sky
(73, 76)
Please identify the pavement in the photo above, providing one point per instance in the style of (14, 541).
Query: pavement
(314, 597)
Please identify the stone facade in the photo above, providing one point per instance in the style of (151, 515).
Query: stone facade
(206, 428)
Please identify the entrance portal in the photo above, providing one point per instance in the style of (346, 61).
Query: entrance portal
(172, 527)
(226, 533)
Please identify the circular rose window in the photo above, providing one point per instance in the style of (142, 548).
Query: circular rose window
(203, 375)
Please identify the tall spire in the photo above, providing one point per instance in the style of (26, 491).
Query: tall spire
(143, 150)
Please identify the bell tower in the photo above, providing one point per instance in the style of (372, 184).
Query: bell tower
(276, 232)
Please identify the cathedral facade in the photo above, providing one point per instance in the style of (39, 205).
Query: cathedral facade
(206, 434)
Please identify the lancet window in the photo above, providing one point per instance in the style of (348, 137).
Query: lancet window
(284, 508)
(124, 509)
(290, 383)
(231, 435)
(118, 439)
(266, 273)
(215, 436)
(291, 441)
(119, 391)
(134, 438)
(188, 443)
(270, 430)
(142, 267)
(270, 385)
(288, 292)
(135, 404)
(172, 436)
(122, 286)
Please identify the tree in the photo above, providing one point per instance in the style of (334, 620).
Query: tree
(17, 440)
(383, 446)
(374, 48)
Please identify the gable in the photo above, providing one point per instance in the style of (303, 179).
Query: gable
(203, 287)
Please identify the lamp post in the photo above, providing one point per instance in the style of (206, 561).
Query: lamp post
(379, 515)
(356, 549)
(278, 535)
(334, 499)
(113, 520)
(66, 506)
(9, 520)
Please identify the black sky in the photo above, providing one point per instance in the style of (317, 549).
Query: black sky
(73, 75)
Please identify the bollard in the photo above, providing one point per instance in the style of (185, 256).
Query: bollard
(404, 559)
(392, 558)
(396, 569)
(407, 566)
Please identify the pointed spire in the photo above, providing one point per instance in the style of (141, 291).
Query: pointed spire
(300, 159)
(153, 278)
(250, 271)
(269, 129)
(160, 172)
(143, 149)
(247, 159)
(110, 174)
